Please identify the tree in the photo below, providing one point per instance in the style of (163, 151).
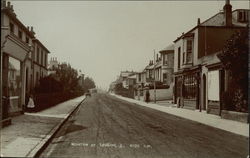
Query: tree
(234, 58)
(88, 83)
(67, 76)
(48, 85)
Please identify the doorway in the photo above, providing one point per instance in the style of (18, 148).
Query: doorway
(204, 91)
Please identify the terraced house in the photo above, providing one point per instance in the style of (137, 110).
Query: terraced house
(160, 72)
(199, 76)
(23, 59)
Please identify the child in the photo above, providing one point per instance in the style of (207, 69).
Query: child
(30, 104)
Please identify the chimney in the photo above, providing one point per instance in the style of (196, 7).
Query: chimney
(3, 4)
(8, 4)
(228, 13)
(32, 30)
(198, 21)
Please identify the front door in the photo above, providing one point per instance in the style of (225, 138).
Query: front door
(204, 92)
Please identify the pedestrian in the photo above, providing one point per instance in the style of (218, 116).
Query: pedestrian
(147, 96)
(31, 105)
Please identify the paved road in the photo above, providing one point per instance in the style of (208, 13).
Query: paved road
(106, 127)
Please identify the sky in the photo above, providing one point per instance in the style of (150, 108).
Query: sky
(102, 38)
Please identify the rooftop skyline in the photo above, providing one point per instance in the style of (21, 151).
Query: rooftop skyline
(103, 38)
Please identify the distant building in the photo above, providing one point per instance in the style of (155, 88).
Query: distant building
(112, 87)
(124, 76)
(53, 65)
(166, 68)
(160, 72)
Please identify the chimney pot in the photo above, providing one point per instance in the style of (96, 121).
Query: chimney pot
(198, 21)
(4, 3)
(8, 4)
(228, 13)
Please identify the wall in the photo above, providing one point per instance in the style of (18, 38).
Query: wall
(213, 39)
(161, 94)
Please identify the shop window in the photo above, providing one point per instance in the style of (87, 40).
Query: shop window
(14, 84)
(190, 87)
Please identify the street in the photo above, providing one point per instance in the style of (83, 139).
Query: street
(105, 126)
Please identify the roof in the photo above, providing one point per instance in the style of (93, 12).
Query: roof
(142, 70)
(126, 73)
(168, 49)
(13, 17)
(150, 67)
(218, 20)
(132, 76)
(40, 43)
(10, 12)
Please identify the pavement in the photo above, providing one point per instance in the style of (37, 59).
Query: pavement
(30, 132)
(201, 117)
(105, 126)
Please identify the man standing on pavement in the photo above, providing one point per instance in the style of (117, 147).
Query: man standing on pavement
(147, 96)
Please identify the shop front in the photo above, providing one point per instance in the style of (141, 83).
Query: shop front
(12, 86)
(14, 58)
(187, 89)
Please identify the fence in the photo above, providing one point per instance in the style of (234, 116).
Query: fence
(47, 100)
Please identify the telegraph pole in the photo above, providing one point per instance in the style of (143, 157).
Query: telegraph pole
(154, 80)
